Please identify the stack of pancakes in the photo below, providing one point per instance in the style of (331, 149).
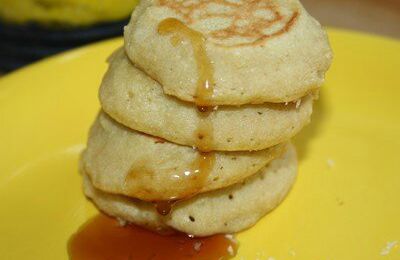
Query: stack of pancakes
(198, 109)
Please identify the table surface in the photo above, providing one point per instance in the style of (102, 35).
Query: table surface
(373, 16)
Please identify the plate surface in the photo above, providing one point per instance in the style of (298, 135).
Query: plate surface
(345, 204)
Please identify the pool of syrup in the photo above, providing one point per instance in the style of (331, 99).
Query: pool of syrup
(103, 237)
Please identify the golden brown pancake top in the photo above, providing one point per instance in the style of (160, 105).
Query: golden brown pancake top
(236, 22)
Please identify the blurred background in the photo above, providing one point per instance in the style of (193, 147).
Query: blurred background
(33, 29)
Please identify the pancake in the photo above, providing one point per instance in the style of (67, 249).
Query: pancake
(229, 52)
(222, 211)
(123, 161)
(137, 101)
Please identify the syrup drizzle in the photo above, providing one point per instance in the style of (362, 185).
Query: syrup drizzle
(176, 186)
(164, 207)
(203, 165)
(103, 238)
(204, 92)
(205, 69)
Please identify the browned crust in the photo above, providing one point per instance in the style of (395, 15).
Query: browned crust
(244, 22)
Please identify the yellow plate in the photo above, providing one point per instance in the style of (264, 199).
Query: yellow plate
(345, 204)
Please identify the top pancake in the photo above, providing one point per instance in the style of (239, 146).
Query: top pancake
(247, 51)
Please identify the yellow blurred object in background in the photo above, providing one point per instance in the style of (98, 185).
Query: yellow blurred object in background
(65, 12)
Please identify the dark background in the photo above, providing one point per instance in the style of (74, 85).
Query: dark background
(21, 45)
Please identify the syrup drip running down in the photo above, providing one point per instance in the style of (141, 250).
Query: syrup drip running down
(205, 69)
(205, 162)
(204, 92)
(164, 207)
(103, 238)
